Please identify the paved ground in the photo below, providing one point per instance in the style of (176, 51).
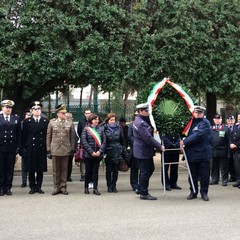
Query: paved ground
(119, 216)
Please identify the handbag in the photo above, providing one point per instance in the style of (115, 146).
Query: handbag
(78, 155)
(122, 166)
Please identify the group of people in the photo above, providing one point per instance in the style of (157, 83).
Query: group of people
(208, 149)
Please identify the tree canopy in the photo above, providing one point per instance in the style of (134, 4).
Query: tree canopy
(118, 45)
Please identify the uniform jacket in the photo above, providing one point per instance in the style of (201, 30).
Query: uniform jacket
(115, 144)
(171, 141)
(34, 143)
(60, 137)
(144, 142)
(9, 133)
(235, 137)
(220, 141)
(197, 143)
(89, 144)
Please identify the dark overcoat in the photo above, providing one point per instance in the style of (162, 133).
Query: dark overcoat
(34, 144)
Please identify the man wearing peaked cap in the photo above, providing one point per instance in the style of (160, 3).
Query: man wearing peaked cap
(60, 144)
(36, 104)
(220, 142)
(61, 108)
(230, 117)
(143, 106)
(10, 128)
(7, 103)
(198, 151)
(33, 144)
(199, 109)
(143, 149)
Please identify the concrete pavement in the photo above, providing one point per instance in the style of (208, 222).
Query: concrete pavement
(119, 215)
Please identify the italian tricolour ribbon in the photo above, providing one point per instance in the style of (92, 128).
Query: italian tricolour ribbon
(95, 135)
(153, 97)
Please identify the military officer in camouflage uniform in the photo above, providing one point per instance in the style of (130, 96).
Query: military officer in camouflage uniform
(10, 127)
(60, 145)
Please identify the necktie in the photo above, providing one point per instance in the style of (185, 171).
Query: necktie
(7, 119)
(36, 120)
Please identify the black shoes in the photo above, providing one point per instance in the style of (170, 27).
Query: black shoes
(147, 197)
(168, 188)
(32, 191)
(114, 190)
(8, 192)
(224, 184)
(236, 185)
(176, 187)
(2, 193)
(191, 196)
(23, 185)
(86, 191)
(40, 191)
(137, 191)
(82, 179)
(69, 179)
(205, 197)
(110, 190)
(56, 192)
(213, 183)
(96, 192)
(231, 179)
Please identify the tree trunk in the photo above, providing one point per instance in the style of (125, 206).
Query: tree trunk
(211, 106)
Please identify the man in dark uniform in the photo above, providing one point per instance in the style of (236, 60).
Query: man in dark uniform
(198, 152)
(171, 141)
(143, 148)
(232, 176)
(10, 127)
(81, 125)
(220, 143)
(34, 145)
(235, 147)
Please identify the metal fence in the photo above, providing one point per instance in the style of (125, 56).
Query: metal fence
(103, 110)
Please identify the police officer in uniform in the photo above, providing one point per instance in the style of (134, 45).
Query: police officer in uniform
(143, 148)
(60, 145)
(235, 147)
(10, 128)
(171, 141)
(220, 143)
(34, 134)
(198, 152)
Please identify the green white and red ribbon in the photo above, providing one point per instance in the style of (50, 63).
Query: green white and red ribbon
(95, 135)
(153, 97)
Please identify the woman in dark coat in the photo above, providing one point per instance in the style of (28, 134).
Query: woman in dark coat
(93, 141)
(115, 150)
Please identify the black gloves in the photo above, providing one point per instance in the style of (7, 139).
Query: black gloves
(49, 155)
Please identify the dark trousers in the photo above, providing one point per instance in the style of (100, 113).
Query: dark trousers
(70, 161)
(7, 162)
(231, 167)
(24, 169)
(91, 171)
(35, 180)
(200, 171)
(171, 177)
(111, 173)
(219, 164)
(236, 158)
(134, 174)
(146, 168)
